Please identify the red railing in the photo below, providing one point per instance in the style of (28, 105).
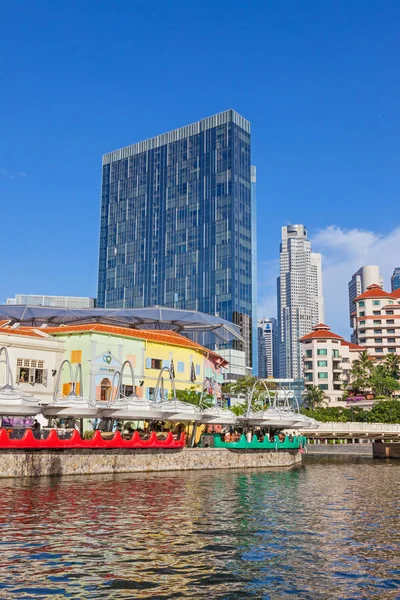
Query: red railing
(75, 442)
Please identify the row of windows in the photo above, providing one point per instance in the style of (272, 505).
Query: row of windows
(322, 352)
(158, 363)
(379, 322)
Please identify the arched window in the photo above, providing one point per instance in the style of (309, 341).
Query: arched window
(105, 390)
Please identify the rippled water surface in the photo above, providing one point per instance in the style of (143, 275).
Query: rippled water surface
(327, 530)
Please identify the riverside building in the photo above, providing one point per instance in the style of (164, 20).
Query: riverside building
(178, 224)
(376, 322)
(300, 300)
(327, 360)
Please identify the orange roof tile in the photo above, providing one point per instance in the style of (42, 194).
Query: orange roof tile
(26, 331)
(163, 337)
(352, 346)
(373, 291)
(321, 332)
(396, 293)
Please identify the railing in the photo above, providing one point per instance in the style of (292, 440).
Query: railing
(52, 441)
(354, 428)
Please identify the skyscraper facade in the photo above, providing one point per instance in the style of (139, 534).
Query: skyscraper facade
(358, 284)
(267, 347)
(300, 299)
(395, 279)
(176, 223)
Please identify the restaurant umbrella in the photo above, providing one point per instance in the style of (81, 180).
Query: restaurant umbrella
(129, 407)
(74, 404)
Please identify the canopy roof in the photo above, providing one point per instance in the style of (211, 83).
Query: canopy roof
(157, 317)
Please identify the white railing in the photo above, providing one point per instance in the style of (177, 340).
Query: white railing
(353, 428)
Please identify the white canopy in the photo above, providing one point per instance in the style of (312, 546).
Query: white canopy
(218, 416)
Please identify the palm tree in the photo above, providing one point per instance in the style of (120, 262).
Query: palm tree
(364, 364)
(315, 397)
(392, 365)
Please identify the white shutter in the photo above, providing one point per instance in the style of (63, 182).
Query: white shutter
(31, 376)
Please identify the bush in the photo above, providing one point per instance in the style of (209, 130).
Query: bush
(88, 435)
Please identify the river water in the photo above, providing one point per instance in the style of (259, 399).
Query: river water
(329, 529)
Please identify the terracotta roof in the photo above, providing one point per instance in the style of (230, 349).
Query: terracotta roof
(352, 346)
(373, 291)
(24, 331)
(396, 293)
(321, 332)
(162, 337)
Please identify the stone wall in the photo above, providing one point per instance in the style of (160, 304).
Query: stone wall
(386, 450)
(31, 463)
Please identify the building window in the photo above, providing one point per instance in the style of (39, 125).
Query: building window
(362, 322)
(323, 386)
(76, 356)
(197, 369)
(31, 371)
(362, 340)
(309, 353)
(390, 330)
(322, 351)
(390, 312)
(362, 314)
(378, 349)
(181, 367)
(378, 340)
(322, 363)
(376, 302)
(390, 322)
(323, 375)
(308, 365)
(361, 303)
(390, 302)
(335, 353)
(150, 393)
(376, 312)
(391, 340)
(391, 349)
(153, 363)
(309, 377)
(376, 331)
(377, 322)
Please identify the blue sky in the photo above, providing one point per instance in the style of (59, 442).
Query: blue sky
(319, 82)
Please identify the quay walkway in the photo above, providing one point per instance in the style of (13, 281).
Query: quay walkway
(353, 431)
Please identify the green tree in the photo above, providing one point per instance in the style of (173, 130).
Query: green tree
(381, 381)
(192, 396)
(392, 365)
(314, 397)
(239, 409)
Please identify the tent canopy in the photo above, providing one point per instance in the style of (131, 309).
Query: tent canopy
(157, 317)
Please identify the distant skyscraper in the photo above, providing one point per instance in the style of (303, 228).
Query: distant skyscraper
(395, 279)
(360, 281)
(300, 300)
(54, 301)
(267, 348)
(177, 225)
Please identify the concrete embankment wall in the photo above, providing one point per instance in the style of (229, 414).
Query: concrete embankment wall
(389, 450)
(36, 463)
(340, 449)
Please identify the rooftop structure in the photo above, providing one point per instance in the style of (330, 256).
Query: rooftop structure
(55, 301)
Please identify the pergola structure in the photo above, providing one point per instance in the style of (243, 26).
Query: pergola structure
(156, 317)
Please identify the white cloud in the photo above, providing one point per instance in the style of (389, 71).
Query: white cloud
(5, 173)
(343, 251)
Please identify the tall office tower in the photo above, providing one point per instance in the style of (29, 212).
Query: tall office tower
(176, 223)
(300, 300)
(267, 347)
(360, 281)
(395, 279)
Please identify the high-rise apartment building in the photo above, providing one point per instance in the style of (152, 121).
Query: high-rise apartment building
(377, 321)
(267, 347)
(176, 223)
(395, 279)
(358, 284)
(300, 300)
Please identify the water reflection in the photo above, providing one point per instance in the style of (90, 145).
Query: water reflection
(328, 530)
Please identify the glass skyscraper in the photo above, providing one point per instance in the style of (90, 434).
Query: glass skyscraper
(177, 225)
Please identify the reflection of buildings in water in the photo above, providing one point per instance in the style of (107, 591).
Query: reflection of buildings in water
(184, 531)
